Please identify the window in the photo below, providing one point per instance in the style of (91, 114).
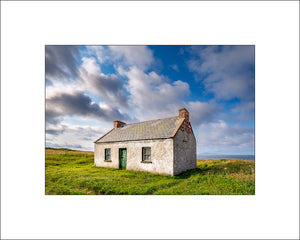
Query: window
(107, 154)
(146, 154)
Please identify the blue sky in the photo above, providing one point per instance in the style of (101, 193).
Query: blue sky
(88, 87)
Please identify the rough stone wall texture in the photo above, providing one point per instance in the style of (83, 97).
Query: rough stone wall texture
(161, 155)
(186, 126)
(184, 150)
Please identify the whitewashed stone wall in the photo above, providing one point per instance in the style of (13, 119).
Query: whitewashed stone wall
(161, 155)
(184, 152)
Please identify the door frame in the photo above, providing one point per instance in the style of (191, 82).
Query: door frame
(122, 149)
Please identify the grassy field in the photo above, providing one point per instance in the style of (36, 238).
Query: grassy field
(73, 172)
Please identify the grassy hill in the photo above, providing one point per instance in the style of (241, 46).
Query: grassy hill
(73, 172)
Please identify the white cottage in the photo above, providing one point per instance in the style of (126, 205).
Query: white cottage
(164, 146)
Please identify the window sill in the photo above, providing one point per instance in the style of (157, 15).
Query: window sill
(107, 160)
(146, 161)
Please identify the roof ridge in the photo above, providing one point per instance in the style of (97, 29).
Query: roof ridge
(150, 120)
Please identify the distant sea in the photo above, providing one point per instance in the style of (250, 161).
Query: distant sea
(217, 157)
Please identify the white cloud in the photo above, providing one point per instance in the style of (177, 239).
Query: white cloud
(201, 112)
(155, 96)
(244, 107)
(102, 53)
(152, 95)
(59, 88)
(226, 70)
(140, 56)
(244, 111)
(73, 136)
(219, 137)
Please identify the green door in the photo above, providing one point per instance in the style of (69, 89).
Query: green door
(122, 158)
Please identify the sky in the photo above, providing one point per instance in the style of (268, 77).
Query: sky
(88, 87)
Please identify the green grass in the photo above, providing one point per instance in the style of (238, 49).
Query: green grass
(71, 172)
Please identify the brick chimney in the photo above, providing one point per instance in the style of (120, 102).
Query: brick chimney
(183, 113)
(186, 125)
(118, 124)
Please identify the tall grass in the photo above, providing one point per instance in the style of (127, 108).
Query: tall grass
(73, 172)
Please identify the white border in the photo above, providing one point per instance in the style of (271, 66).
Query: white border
(272, 213)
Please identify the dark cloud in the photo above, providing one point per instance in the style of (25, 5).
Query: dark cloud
(51, 116)
(61, 62)
(109, 87)
(77, 104)
(54, 131)
(226, 71)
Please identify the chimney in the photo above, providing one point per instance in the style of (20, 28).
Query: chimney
(183, 113)
(118, 124)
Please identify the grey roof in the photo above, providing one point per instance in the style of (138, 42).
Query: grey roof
(154, 129)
